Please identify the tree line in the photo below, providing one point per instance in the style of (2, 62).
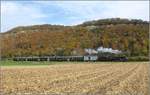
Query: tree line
(129, 36)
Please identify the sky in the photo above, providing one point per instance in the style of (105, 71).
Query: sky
(24, 13)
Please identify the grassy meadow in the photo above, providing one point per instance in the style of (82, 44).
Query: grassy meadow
(38, 63)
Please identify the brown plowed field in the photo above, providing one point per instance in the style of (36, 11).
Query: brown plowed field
(77, 79)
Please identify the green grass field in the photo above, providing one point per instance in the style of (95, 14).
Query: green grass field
(27, 63)
(36, 63)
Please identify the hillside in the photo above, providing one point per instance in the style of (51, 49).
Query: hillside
(130, 36)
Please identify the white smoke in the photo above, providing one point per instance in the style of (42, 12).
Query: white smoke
(91, 51)
(102, 49)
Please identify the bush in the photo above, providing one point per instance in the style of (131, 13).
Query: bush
(138, 58)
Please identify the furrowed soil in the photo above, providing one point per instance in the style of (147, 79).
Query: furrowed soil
(77, 79)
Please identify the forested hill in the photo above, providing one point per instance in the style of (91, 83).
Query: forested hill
(113, 21)
(130, 36)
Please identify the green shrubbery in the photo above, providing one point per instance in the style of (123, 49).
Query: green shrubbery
(138, 58)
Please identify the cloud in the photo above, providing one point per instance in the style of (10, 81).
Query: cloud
(68, 12)
(14, 14)
(129, 9)
(106, 9)
(75, 12)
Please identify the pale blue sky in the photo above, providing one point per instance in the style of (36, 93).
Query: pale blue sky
(22, 13)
